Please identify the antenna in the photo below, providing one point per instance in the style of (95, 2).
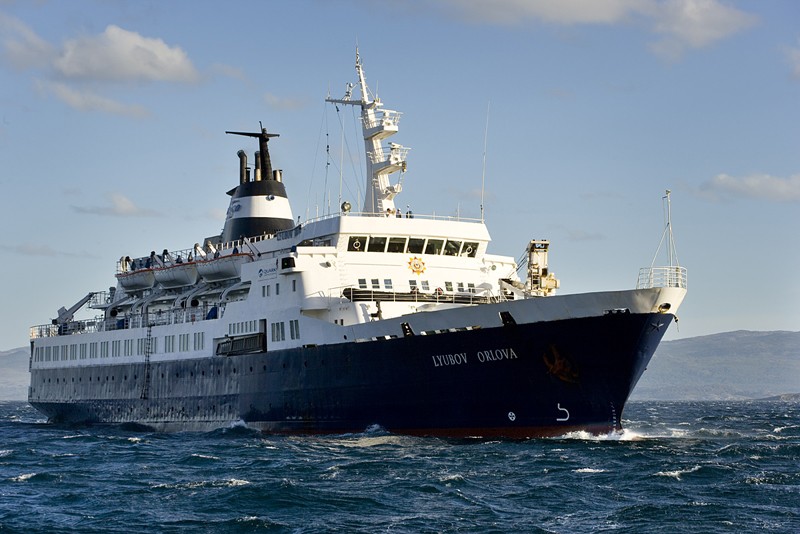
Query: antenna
(483, 173)
(672, 253)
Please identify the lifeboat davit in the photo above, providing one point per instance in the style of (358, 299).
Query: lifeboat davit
(137, 280)
(223, 267)
(176, 275)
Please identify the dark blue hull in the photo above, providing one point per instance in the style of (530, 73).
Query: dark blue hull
(521, 380)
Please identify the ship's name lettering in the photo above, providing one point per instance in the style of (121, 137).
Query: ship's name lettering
(494, 355)
(449, 359)
(460, 358)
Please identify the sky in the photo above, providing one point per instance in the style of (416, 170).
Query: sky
(576, 115)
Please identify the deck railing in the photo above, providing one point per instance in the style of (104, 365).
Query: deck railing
(673, 276)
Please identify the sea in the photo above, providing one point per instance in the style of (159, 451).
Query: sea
(701, 467)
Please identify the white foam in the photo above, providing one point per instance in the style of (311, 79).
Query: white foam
(677, 473)
(589, 470)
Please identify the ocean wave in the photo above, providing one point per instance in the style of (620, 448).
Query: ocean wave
(678, 473)
(588, 470)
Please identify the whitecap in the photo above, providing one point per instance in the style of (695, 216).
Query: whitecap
(589, 470)
(677, 473)
(23, 478)
(205, 456)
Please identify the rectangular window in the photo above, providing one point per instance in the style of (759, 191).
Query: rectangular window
(48, 354)
(415, 245)
(377, 244)
(434, 246)
(169, 343)
(83, 351)
(362, 283)
(153, 345)
(461, 287)
(104, 349)
(471, 287)
(469, 249)
(376, 284)
(115, 348)
(277, 288)
(64, 352)
(263, 291)
(199, 340)
(448, 286)
(451, 248)
(93, 350)
(396, 244)
(73, 352)
(412, 284)
(294, 285)
(183, 342)
(425, 286)
(283, 331)
(128, 347)
(357, 243)
(387, 283)
(294, 329)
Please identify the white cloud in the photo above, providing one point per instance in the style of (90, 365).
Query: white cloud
(88, 101)
(278, 102)
(23, 48)
(559, 12)
(682, 24)
(121, 55)
(695, 24)
(761, 186)
(121, 206)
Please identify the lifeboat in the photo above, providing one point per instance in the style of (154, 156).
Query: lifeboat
(223, 267)
(176, 275)
(137, 280)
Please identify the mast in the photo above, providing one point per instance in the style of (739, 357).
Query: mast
(382, 161)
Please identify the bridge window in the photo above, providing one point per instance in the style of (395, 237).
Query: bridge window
(377, 244)
(357, 243)
(426, 286)
(470, 249)
(387, 283)
(434, 246)
(451, 248)
(376, 284)
(396, 244)
(415, 245)
(362, 283)
(448, 286)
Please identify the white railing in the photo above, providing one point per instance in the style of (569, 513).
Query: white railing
(132, 320)
(674, 276)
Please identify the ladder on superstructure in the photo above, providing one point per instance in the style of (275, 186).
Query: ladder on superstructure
(148, 348)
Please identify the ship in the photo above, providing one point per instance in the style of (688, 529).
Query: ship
(351, 320)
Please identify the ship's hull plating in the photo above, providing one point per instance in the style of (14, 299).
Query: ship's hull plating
(524, 380)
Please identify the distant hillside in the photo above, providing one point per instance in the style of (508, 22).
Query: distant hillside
(731, 365)
(728, 366)
(14, 376)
